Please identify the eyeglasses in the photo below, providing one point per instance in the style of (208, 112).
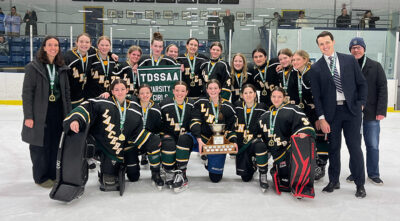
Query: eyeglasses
(356, 48)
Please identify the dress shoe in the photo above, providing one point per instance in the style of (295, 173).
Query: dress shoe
(360, 193)
(331, 187)
(350, 179)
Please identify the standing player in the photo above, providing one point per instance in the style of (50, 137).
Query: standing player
(99, 78)
(239, 76)
(172, 51)
(217, 69)
(127, 70)
(302, 96)
(79, 61)
(192, 61)
(248, 112)
(156, 58)
(264, 75)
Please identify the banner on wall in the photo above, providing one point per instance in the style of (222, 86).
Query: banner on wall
(160, 78)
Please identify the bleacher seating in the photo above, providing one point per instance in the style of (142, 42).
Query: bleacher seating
(20, 48)
(128, 43)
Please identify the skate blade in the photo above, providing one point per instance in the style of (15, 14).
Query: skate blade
(181, 189)
(159, 188)
(264, 190)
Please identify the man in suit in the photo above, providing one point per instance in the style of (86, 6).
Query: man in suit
(340, 92)
(376, 107)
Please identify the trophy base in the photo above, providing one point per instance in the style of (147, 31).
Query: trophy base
(225, 148)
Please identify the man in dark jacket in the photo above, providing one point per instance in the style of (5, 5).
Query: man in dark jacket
(229, 24)
(376, 107)
(343, 20)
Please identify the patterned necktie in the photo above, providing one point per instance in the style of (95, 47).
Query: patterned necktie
(336, 77)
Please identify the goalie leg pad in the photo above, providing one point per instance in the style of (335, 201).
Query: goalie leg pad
(72, 168)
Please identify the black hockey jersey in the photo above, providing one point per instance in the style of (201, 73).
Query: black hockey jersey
(103, 117)
(293, 79)
(241, 130)
(170, 121)
(99, 79)
(217, 69)
(195, 81)
(79, 69)
(203, 115)
(124, 71)
(271, 80)
(153, 119)
(289, 120)
(165, 60)
(238, 80)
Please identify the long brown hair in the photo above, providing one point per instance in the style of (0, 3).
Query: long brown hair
(42, 55)
(244, 70)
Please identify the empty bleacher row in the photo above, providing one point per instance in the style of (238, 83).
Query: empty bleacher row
(19, 53)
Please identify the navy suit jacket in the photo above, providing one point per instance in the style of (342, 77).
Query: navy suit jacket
(324, 90)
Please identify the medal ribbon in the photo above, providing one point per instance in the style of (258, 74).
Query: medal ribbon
(215, 112)
(102, 65)
(264, 77)
(52, 74)
(285, 82)
(212, 68)
(272, 119)
(84, 64)
(247, 123)
(159, 59)
(133, 73)
(180, 117)
(191, 65)
(122, 115)
(240, 83)
(145, 114)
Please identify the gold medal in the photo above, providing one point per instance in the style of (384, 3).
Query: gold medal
(301, 105)
(271, 143)
(192, 84)
(52, 98)
(264, 92)
(245, 141)
(206, 78)
(121, 137)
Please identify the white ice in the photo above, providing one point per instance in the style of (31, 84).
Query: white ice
(231, 199)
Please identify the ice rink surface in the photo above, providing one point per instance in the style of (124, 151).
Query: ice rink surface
(231, 199)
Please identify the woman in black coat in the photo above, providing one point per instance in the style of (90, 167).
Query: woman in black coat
(46, 101)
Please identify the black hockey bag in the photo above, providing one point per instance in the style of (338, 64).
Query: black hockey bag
(72, 167)
(302, 163)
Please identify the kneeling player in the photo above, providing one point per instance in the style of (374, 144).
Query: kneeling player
(177, 141)
(117, 127)
(277, 126)
(214, 110)
(248, 112)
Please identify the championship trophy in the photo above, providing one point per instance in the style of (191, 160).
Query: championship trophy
(218, 144)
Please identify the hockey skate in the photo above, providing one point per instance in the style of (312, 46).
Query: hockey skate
(143, 160)
(108, 182)
(156, 179)
(319, 169)
(263, 182)
(169, 178)
(180, 182)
